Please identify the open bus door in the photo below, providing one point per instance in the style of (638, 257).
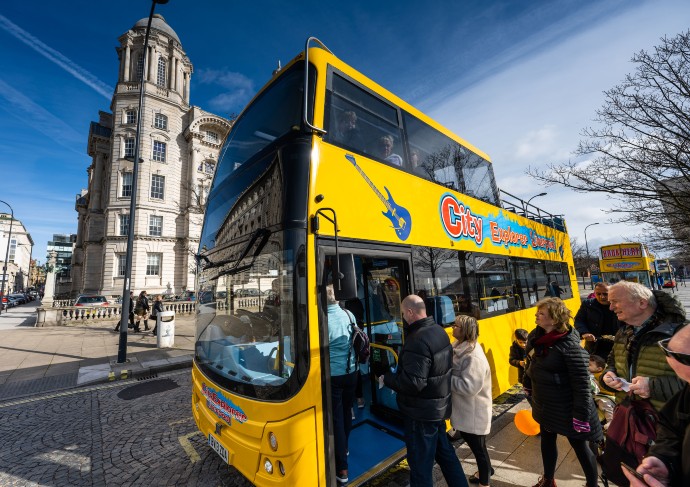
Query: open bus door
(382, 280)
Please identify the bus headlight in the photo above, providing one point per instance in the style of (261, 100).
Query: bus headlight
(281, 468)
(273, 441)
(268, 466)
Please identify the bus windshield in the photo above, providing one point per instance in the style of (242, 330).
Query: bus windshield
(245, 321)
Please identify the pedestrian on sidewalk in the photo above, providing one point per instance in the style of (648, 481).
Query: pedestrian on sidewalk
(142, 311)
(157, 308)
(557, 377)
(471, 395)
(422, 380)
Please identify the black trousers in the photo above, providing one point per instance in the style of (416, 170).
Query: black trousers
(477, 444)
(585, 455)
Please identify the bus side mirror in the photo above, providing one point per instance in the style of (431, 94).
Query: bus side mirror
(346, 287)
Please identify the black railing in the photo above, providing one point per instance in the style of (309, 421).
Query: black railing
(525, 209)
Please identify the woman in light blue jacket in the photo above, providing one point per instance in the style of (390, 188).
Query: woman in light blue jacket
(343, 379)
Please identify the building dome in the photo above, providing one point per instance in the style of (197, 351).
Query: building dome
(158, 23)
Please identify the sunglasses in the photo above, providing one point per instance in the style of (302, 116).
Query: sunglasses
(683, 358)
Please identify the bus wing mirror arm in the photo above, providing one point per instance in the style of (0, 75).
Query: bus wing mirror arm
(334, 221)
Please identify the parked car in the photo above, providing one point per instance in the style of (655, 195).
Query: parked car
(206, 297)
(188, 296)
(249, 292)
(21, 298)
(91, 300)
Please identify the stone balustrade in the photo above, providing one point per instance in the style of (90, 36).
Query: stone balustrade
(64, 314)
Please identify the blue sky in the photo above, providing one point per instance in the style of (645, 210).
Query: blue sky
(519, 79)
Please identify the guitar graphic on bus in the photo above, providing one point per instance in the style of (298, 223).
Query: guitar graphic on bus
(399, 216)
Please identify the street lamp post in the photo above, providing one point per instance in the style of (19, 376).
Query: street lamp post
(7, 256)
(535, 196)
(587, 250)
(124, 314)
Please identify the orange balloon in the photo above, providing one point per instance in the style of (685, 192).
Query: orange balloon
(525, 423)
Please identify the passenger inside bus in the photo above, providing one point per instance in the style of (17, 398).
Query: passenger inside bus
(384, 150)
(416, 165)
(347, 132)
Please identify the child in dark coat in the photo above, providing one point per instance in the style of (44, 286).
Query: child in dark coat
(517, 353)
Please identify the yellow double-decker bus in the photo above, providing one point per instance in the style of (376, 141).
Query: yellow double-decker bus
(630, 261)
(327, 176)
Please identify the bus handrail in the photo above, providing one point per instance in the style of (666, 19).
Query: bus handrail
(525, 209)
(387, 348)
(315, 227)
(306, 84)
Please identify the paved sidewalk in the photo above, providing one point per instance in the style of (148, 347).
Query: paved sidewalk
(46, 359)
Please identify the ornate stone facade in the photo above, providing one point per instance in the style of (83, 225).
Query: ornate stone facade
(179, 147)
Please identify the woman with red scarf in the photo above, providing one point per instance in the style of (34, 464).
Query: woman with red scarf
(557, 378)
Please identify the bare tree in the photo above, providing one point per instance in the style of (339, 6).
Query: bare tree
(584, 264)
(431, 259)
(639, 152)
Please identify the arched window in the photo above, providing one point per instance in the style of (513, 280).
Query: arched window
(160, 79)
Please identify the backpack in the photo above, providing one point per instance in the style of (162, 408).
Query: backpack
(359, 341)
(630, 434)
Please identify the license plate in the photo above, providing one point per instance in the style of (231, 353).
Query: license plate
(217, 447)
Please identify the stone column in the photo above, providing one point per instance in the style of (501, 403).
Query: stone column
(127, 67)
(49, 291)
(152, 59)
(175, 75)
(178, 76)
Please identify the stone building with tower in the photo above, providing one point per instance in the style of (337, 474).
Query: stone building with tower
(179, 148)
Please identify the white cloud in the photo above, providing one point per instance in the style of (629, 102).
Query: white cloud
(239, 88)
(536, 144)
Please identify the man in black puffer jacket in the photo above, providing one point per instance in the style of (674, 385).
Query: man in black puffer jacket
(422, 381)
(595, 319)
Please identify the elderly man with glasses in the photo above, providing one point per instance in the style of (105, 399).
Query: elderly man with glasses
(668, 460)
(595, 320)
(636, 363)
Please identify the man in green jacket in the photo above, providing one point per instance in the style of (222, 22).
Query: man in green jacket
(668, 461)
(636, 363)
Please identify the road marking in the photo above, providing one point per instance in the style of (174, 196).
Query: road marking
(181, 421)
(188, 448)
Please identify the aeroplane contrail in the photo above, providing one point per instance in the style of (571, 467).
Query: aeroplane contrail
(52, 55)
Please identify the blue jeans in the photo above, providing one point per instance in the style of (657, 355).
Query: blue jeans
(427, 441)
(342, 397)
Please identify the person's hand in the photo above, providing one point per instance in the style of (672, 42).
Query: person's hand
(654, 471)
(522, 363)
(380, 381)
(640, 385)
(611, 380)
(588, 337)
